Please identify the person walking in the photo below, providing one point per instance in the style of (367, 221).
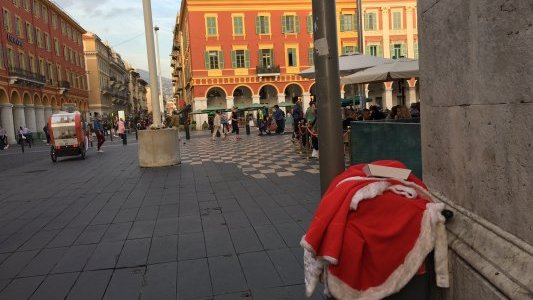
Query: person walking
(279, 117)
(46, 133)
(217, 122)
(235, 121)
(297, 116)
(225, 124)
(99, 130)
(121, 131)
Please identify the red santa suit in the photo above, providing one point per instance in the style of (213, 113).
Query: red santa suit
(370, 236)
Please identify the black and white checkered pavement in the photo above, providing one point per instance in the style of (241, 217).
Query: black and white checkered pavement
(256, 156)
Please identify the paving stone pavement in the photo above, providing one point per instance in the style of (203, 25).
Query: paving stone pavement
(102, 228)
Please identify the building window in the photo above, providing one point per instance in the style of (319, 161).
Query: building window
(16, 2)
(397, 20)
(54, 21)
(26, 4)
(29, 33)
(292, 57)
(311, 56)
(214, 60)
(266, 58)
(11, 60)
(59, 76)
(47, 41)
(32, 63)
(18, 27)
(45, 14)
(348, 22)
(1, 57)
(39, 37)
(238, 25)
(65, 52)
(51, 73)
(36, 11)
(290, 24)
(374, 50)
(348, 50)
(371, 21)
(240, 59)
(262, 25)
(63, 28)
(310, 24)
(398, 51)
(22, 61)
(7, 20)
(56, 47)
(211, 23)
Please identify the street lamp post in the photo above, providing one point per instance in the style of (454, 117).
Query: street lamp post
(161, 104)
(150, 49)
(328, 82)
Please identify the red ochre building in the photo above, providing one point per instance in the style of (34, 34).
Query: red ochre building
(42, 67)
(239, 52)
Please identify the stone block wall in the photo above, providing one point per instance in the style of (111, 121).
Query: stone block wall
(476, 63)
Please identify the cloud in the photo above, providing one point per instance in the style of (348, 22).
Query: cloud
(121, 23)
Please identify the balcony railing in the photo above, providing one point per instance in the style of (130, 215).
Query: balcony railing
(263, 71)
(21, 74)
(63, 85)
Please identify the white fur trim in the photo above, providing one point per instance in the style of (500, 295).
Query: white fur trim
(403, 190)
(401, 276)
(370, 191)
(313, 268)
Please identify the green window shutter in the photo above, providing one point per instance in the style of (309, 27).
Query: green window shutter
(343, 52)
(416, 50)
(297, 24)
(310, 24)
(234, 59)
(367, 50)
(267, 26)
(392, 50)
(206, 57)
(404, 50)
(247, 59)
(355, 24)
(380, 50)
(341, 18)
(272, 57)
(283, 24)
(220, 60)
(259, 58)
(257, 25)
(311, 57)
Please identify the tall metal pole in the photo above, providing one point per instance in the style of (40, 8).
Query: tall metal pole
(161, 104)
(328, 91)
(360, 42)
(152, 68)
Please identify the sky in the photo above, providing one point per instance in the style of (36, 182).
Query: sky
(121, 24)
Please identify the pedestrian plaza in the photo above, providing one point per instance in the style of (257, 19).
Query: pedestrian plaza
(225, 224)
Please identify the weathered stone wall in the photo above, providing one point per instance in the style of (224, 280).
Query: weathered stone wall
(476, 62)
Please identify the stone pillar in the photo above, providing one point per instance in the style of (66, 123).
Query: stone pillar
(281, 98)
(18, 116)
(198, 104)
(256, 99)
(48, 113)
(230, 101)
(39, 118)
(386, 32)
(29, 114)
(388, 97)
(477, 141)
(410, 32)
(412, 95)
(6, 114)
(306, 98)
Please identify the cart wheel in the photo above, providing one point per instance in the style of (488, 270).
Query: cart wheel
(53, 155)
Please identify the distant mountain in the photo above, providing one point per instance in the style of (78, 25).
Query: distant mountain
(167, 83)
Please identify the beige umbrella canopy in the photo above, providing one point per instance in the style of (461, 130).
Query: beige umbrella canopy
(399, 69)
(350, 64)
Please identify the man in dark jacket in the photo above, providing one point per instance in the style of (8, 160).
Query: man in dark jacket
(279, 117)
(297, 115)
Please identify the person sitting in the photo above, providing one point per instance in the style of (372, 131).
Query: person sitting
(3, 139)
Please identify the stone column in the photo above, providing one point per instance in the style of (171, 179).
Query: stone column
(6, 114)
(256, 99)
(281, 98)
(230, 101)
(39, 118)
(412, 95)
(48, 113)
(200, 103)
(306, 97)
(386, 31)
(410, 32)
(29, 114)
(18, 116)
(388, 98)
